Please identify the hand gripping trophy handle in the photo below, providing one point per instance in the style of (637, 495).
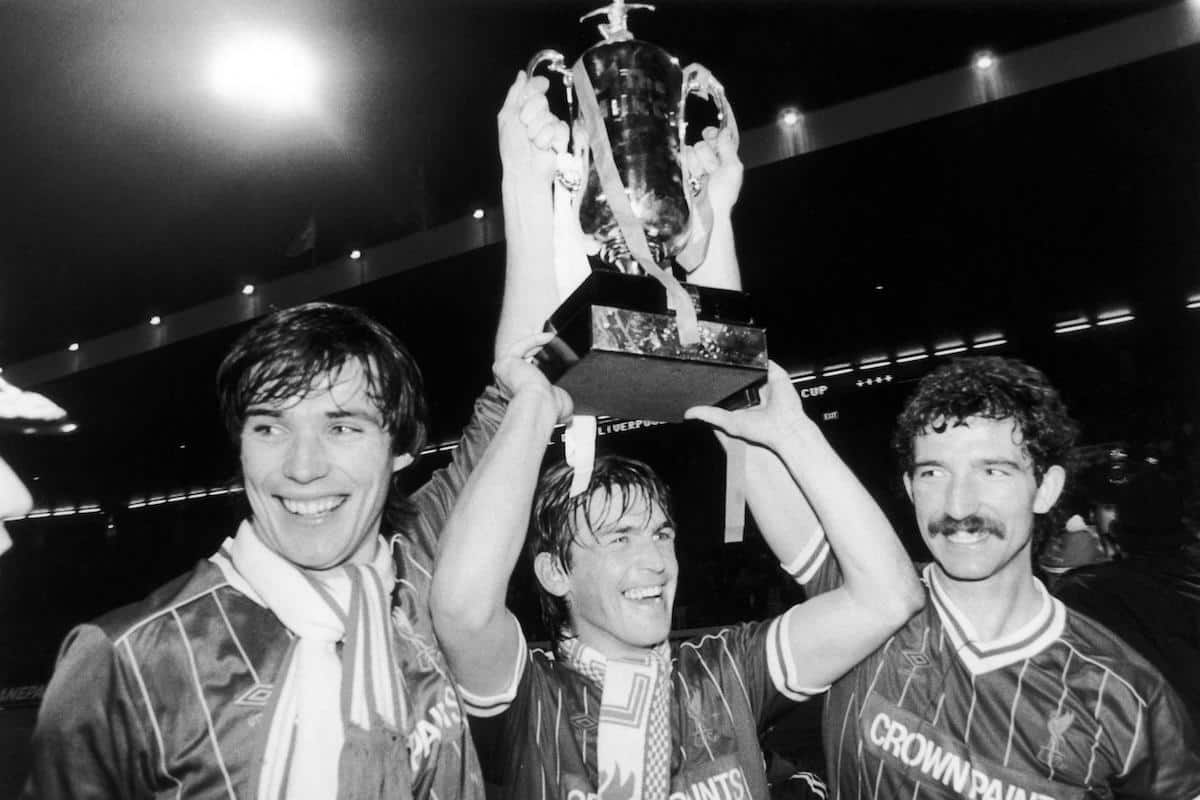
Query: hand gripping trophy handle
(697, 80)
(570, 170)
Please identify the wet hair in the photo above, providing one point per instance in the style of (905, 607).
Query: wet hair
(996, 388)
(990, 387)
(289, 352)
(555, 522)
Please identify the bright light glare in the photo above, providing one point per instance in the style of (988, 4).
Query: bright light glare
(984, 61)
(790, 116)
(267, 71)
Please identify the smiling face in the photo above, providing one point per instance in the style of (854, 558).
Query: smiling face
(621, 585)
(317, 470)
(975, 496)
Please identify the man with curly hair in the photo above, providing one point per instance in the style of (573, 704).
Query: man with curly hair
(995, 689)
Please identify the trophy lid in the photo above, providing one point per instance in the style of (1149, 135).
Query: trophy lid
(617, 29)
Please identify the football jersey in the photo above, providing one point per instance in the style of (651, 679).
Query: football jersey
(537, 739)
(1060, 709)
(171, 697)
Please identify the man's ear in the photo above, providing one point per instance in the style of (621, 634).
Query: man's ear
(1049, 489)
(907, 484)
(551, 575)
(401, 461)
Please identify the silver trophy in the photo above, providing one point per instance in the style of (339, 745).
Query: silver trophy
(632, 340)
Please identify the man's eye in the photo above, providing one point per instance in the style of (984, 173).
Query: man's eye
(665, 534)
(619, 539)
(342, 428)
(997, 472)
(264, 429)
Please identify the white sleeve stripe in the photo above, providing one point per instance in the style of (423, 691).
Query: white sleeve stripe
(782, 665)
(479, 705)
(806, 563)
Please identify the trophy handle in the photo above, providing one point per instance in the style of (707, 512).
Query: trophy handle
(570, 172)
(699, 81)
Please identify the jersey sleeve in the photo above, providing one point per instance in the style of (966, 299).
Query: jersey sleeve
(430, 505)
(90, 740)
(1165, 759)
(499, 722)
(744, 673)
(815, 567)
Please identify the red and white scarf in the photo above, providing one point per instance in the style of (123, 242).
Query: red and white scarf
(337, 720)
(633, 742)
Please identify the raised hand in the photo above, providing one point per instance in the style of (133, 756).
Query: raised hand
(516, 373)
(530, 134)
(714, 163)
(778, 415)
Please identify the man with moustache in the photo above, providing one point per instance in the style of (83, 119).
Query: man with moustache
(995, 689)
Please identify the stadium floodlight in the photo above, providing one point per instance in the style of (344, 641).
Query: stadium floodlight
(266, 71)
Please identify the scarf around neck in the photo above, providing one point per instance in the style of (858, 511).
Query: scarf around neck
(633, 740)
(337, 721)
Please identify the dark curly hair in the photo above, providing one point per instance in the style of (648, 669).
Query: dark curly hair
(553, 526)
(992, 387)
(287, 352)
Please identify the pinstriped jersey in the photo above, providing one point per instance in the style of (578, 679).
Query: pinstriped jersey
(1058, 710)
(537, 740)
(170, 697)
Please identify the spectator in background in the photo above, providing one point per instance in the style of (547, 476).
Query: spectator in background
(1150, 598)
(1087, 537)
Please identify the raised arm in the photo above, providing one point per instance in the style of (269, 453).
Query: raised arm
(485, 531)
(804, 482)
(714, 161)
(530, 135)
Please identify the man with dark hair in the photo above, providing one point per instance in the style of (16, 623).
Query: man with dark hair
(996, 690)
(618, 711)
(298, 661)
(1151, 597)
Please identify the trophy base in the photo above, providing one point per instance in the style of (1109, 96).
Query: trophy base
(617, 351)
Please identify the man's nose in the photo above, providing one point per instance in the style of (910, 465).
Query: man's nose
(306, 459)
(650, 555)
(962, 499)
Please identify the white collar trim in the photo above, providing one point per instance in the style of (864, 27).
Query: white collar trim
(979, 656)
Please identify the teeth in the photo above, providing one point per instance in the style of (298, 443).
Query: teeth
(311, 508)
(962, 537)
(643, 592)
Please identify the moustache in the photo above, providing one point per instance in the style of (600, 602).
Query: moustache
(969, 524)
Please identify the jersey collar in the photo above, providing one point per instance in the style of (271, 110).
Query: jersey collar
(979, 656)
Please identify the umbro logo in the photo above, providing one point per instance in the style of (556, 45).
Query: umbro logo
(916, 658)
(256, 696)
(583, 722)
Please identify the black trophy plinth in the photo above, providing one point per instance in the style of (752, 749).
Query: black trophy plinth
(617, 351)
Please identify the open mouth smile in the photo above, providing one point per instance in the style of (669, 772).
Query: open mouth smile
(643, 593)
(314, 507)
